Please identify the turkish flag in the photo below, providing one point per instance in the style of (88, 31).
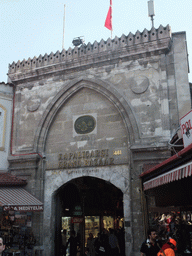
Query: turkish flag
(108, 21)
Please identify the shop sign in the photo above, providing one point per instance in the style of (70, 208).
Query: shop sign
(89, 158)
(24, 208)
(186, 128)
(76, 220)
(78, 211)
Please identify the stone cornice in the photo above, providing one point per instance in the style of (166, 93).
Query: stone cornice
(140, 45)
(24, 158)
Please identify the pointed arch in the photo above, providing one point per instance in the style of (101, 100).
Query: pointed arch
(104, 88)
(55, 180)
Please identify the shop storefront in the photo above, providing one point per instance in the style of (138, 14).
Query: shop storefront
(17, 210)
(167, 190)
(90, 224)
(94, 206)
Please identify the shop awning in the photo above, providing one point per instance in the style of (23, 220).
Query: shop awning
(19, 199)
(173, 175)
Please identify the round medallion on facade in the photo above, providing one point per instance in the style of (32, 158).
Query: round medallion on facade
(85, 124)
(33, 103)
(139, 84)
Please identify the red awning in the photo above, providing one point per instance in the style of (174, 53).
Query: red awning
(19, 199)
(173, 175)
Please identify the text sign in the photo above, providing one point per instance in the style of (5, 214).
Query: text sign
(186, 128)
(24, 208)
(76, 220)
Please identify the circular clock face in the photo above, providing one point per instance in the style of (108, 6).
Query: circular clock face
(85, 124)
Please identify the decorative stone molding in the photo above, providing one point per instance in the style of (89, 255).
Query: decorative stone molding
(33, 103)
(23, 158)
(139, 84)
(125, 46)
(73, 87)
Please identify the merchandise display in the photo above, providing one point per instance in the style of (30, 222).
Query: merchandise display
(16, 228)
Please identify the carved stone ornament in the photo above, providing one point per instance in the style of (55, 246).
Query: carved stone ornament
(85, 124)
(33, 103)
(139, 84)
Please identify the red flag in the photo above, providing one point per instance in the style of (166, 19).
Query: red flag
(108, 21)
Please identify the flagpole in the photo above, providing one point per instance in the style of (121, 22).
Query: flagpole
(63, 28)
(108, 21)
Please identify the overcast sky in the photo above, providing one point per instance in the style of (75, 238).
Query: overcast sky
(29, 28)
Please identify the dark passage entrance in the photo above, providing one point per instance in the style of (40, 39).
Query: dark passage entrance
(87, 205)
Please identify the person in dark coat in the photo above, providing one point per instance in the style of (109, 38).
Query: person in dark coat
(100, 245)
(64, 242)
(151, 246)
(73, 244)
(114, 244)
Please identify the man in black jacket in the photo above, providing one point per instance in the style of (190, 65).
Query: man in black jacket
(151, 246)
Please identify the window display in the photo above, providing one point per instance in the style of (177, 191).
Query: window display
(92, 225)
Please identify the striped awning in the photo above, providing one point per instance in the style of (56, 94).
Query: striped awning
(19, 199)
(173, 175)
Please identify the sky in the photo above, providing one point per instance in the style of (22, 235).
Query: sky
(29, 28)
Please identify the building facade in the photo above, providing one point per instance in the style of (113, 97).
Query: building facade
(87, 119)
(6, 98)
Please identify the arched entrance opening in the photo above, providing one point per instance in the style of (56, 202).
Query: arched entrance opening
(88, 205)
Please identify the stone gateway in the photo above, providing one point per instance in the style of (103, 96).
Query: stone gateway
(86, 120)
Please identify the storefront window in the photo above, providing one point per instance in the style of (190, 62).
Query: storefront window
(108, 222)
(91, 226)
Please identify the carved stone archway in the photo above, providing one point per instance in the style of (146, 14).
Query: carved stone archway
(55, 179)
(119, 176)
(104, 88)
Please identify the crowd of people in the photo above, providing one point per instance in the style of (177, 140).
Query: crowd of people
(161, 241)
(172, 225)
(107, 243)
(155, 245)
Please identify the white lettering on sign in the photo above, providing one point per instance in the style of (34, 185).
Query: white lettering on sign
(24, 208)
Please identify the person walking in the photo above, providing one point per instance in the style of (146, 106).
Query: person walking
(73, 244)
(64, 242)
(90, 244)
(2, 246)
(101, 248)
(151, 246)
(113, 243)
(168, 249)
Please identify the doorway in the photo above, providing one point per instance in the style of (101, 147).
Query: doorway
(87, 205)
